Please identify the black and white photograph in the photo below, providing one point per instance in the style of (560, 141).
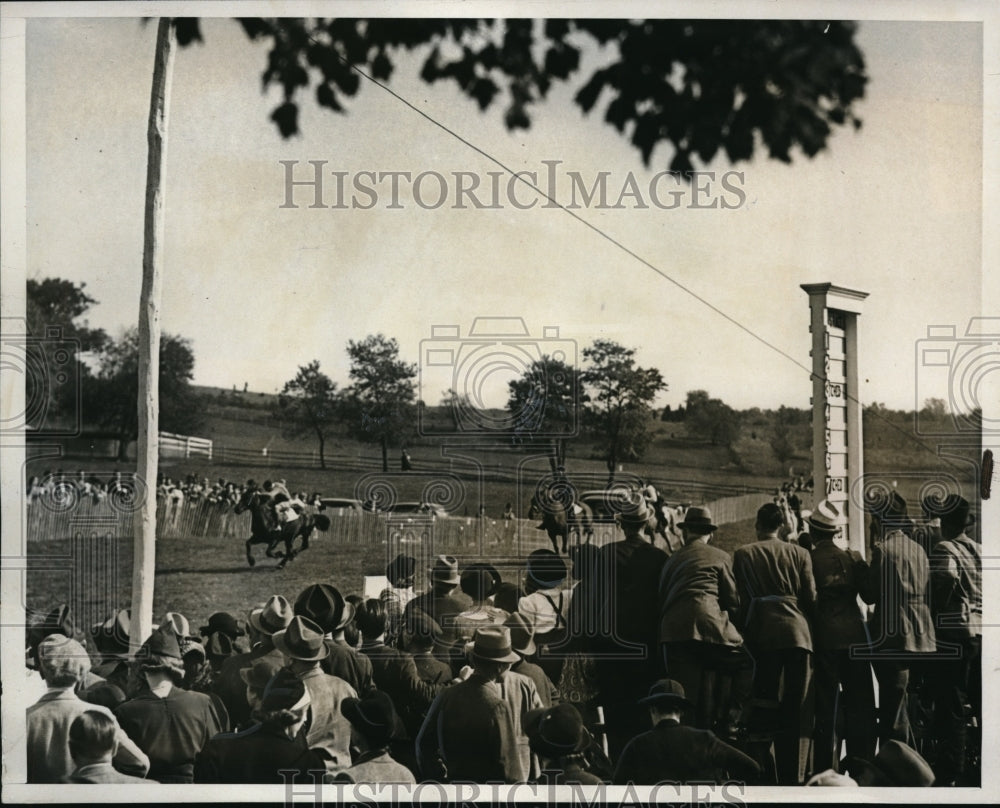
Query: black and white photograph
(499, 402)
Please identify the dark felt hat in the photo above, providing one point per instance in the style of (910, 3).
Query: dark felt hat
(111, 638)
(546, 569)
(284, 692)
(325, 606)
(698, 519)
(492, 643)
(219, 645)
(302, 640)
(952, 508)
(666, 693)
(521, 634)
(56, 621)
(401, 570)
(261, 672)
(225, 623)
(479, 581)
(374, 717)
(896, 764)
(557, 731)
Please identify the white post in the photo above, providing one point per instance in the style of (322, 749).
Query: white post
(147, 446)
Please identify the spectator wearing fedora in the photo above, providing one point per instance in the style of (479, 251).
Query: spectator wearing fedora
(479, 582)
(474, 730)
(559, 738)
(626, 658)
(675, 753)
(303, 647)
(420, 634)
(262, 623)
(63, 664)
(839, 625)
(896, 765)
(267, 750)
(701, 646)
(443, 605)
(957, 608)
(111, 640)
(218, 648)
(333, 613)
(399, 573)
(93, 742)
(224, 623)
(545, 607)
(168, 723)
(901, 625)
(777, 592)
(374, 720)
(523, 643)
(56, 622)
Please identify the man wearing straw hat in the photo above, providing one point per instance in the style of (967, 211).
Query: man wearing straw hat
(474, 730)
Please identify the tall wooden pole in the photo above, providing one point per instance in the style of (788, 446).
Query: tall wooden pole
(147, 447)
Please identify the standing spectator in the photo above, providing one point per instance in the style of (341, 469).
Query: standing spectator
(224, 623)
(443, 604)
(265, 752)
(839, 626)
(334, 614)
(777, 592)
(262, 623)
(395, 597)
(672, 752)
(111, 640)
(374, 720)
(545, 607)
(93, 743)
(479, 582)
(169, 724)
(557, 735)
(957, 606)
(63, 663)
(303, 647)
(419, 637)
(405, 464)
(523, 643)
(902, 629)
(700, 644)
(474, 730)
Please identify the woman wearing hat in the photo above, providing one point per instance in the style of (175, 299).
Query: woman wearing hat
(559, 738)
(267, 750)
(479, 582)
(545, 608)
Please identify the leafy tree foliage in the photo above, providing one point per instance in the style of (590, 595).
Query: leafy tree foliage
(712, 419)
(620, 397)
(59, 342)
(700, 86)
(547, 399)
(380, 404)
(112, 395)
(310, 404)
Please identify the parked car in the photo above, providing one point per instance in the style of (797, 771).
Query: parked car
(422, 508)
(605, 503)
(346, 506)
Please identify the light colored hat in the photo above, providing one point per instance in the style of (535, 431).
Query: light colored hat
(826, 517)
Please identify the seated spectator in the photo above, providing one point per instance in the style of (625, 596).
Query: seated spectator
(168, 723)
(560, 740)
(672, 752)
(271, 746)
(374, 720)
(93, 743)
(64, 663)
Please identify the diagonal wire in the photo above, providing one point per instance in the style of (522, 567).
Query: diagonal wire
(628, 251)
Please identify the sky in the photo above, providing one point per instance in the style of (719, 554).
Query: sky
(894, 209)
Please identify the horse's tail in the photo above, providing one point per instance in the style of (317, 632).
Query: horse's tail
(322, 521)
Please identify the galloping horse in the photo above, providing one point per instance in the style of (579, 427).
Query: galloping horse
(561, 519)
(265, 528)
(666, 522)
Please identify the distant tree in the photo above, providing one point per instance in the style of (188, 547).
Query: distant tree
(620, 397)
(935, 408)
(455, 403)
(309, 404)
(547, 400)
(111, 396)
(59, 345)
(381, 401)
(712, 419)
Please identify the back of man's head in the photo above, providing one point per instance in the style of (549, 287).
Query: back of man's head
(769, 518)
(370, 617)
(92, 737)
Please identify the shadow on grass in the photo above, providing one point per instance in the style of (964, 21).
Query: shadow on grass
(215, 570)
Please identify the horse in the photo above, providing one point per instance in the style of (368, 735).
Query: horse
(265, 528)
(558, 519)
(666, 522)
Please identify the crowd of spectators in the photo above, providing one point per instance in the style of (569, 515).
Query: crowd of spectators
(706, 667)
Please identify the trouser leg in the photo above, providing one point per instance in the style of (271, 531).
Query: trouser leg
(859, 706)
(826, 752)
(893, 710)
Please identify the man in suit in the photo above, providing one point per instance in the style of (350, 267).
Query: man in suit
(474, 730)
(838, 627)
(93, 742)
(701, 646)
(957, 607)
(63, 663)
(262, 623)
(672, 752)
(775, 582)
(902, 628)
(303, 648)
(443, 605)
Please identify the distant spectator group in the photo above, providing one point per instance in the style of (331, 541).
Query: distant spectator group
(701, 666)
